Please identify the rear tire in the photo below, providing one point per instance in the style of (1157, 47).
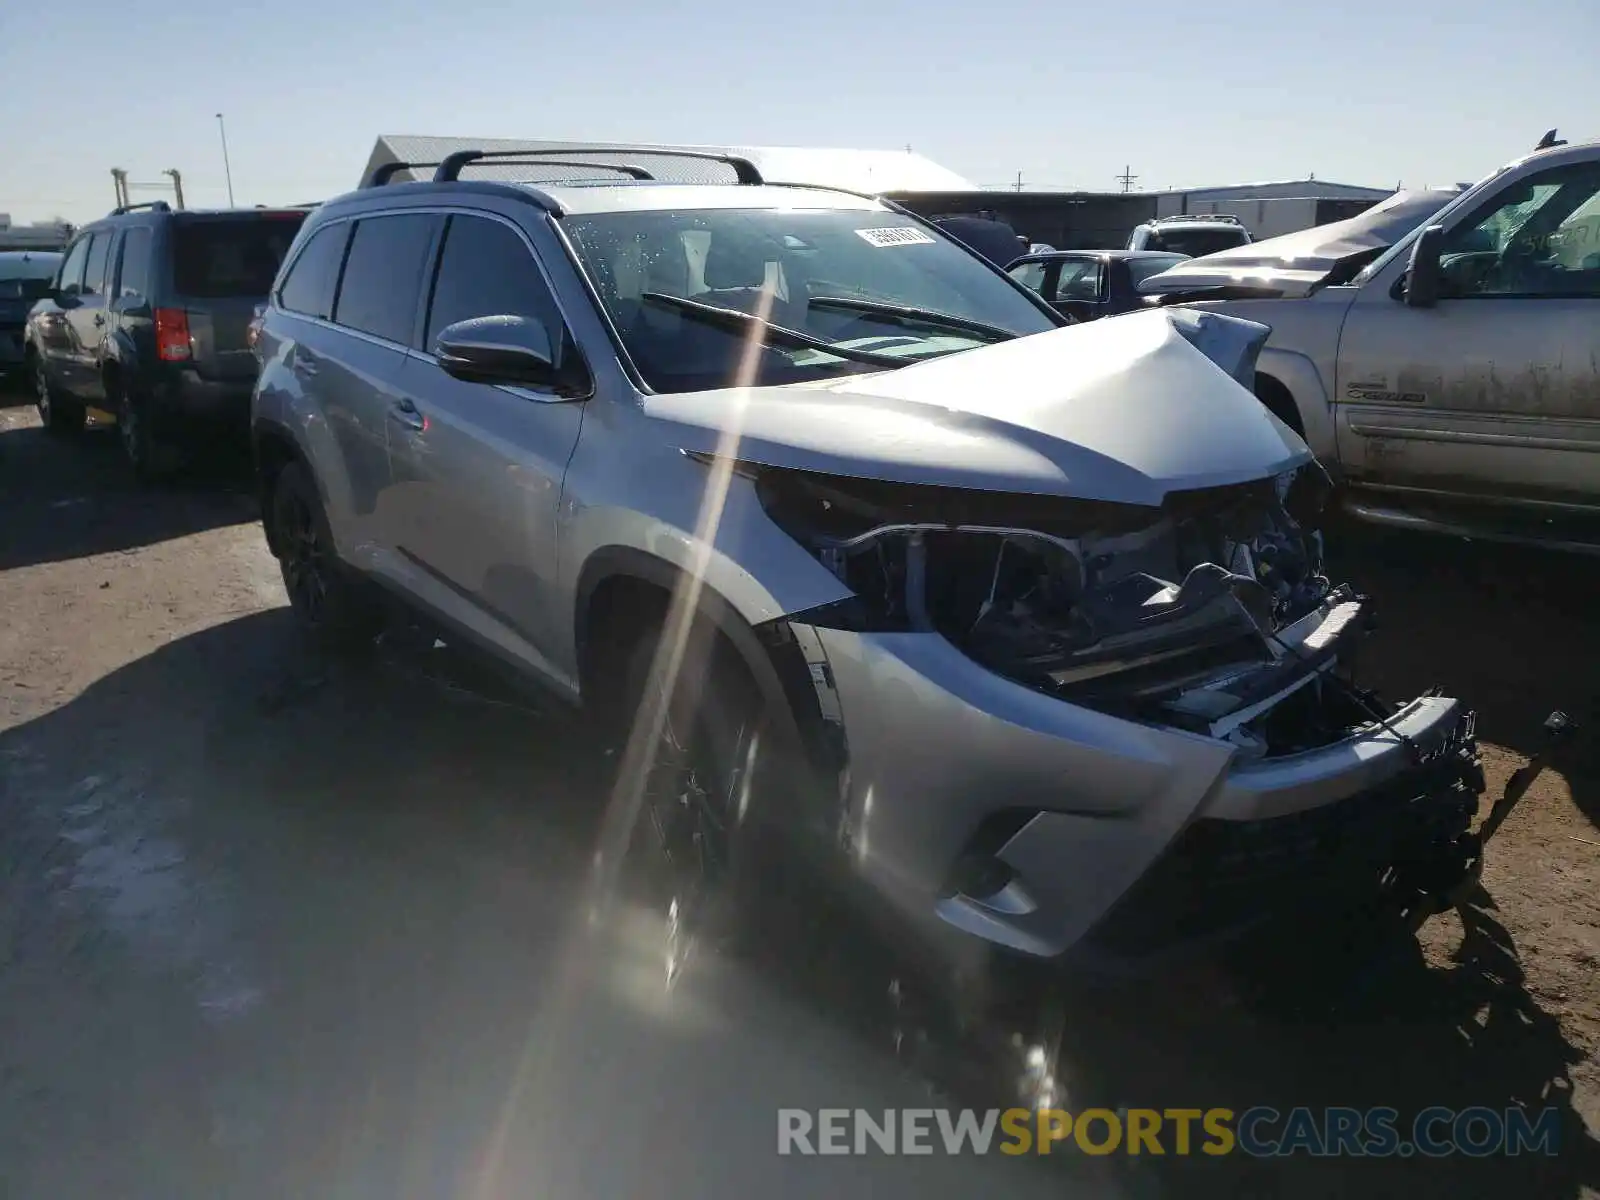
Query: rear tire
(153, 459)
(333, 606)
(61, 415)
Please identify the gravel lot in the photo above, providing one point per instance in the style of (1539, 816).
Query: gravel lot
(271, 929)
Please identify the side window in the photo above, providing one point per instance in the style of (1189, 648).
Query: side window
(133, 274)
(1029, 275)
(485, 270)
(382, 281)
(70, 281)
(94, 275)
(308, 287)
(1080, 280)
(1532, 240)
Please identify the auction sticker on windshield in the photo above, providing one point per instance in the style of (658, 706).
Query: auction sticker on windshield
(902, 236)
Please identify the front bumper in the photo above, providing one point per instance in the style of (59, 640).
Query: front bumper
(1121, 840)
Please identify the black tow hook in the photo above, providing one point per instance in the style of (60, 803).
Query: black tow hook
(1457, 877)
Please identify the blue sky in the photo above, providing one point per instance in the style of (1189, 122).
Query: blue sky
(1188, 93)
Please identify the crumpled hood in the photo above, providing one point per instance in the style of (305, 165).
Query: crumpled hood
(1295, 263)
(1125, 409)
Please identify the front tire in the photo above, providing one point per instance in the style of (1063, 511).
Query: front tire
(329, 602)
(694, 749)
(61, 415)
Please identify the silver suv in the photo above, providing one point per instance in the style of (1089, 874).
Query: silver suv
(1022, 630)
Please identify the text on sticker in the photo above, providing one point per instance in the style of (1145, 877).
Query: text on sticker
(903, 236)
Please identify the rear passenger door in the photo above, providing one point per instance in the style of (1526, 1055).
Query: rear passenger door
(131, 318)
(478, 468)
(376, 308)
(88, 320)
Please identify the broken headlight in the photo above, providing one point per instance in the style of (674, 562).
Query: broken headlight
(1061, 594)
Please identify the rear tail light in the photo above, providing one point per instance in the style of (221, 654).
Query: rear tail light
(172, 335)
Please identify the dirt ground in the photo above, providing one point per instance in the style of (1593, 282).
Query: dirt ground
(272, 928)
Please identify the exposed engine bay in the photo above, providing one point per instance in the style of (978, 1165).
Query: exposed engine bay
(1210, 614)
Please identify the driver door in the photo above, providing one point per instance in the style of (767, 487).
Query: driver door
(1494, 391)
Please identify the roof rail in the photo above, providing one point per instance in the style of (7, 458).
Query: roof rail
(152, 205)
(744, 170)
(1224, 217)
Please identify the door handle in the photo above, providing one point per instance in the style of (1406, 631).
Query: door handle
(405, 412)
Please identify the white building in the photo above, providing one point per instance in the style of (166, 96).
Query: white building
(856, 170)
(40, 235)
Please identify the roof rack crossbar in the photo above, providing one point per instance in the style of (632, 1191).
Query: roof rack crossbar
(152, 205)
(449, 170)
(510, 159)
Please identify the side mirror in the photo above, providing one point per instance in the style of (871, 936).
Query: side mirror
(501, 349)
(1421, 281)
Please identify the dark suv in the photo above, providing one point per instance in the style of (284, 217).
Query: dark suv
(148, 319)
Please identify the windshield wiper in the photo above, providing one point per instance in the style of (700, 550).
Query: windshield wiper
(740, 322)
(906, 315)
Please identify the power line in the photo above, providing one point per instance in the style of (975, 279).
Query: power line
(1127, 178)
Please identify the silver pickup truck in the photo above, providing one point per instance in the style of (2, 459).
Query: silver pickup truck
(1453, 384)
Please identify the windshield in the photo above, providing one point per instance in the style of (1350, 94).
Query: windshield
(27, 276)
(1140, 269)
(880, 287)
(1403, 246)
(1195, 242)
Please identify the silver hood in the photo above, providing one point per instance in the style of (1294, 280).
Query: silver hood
(1126, 409)
(1295, 263)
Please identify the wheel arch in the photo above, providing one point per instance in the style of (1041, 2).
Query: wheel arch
(273, 447)
(621, 589)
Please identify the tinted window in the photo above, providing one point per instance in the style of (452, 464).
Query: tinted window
(26, 275)
(1196, 243)
(308, 289)
(1140, 269)
(133, 279)
(486, 271)
(214, 259)
(383, 275)
(72, 269)
(94, 275)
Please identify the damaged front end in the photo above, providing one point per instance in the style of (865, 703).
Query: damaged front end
(1210, 614)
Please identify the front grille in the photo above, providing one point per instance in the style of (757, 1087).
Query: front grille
(1221, 875)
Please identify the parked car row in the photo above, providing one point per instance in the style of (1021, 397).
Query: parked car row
(145, 318)
(1018, 632)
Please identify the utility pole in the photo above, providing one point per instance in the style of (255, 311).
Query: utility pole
(1127, 178)
(1018, 185)
(177, 184)
(119, 180)
(227, 170)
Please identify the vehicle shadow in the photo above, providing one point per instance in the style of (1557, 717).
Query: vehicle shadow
(66, 498)
(1509, 629)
